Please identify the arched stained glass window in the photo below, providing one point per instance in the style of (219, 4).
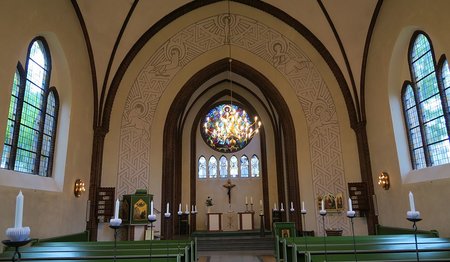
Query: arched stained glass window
(202, 167)
(224, 133)
(446, 82)
(223, 170)
(255, 166)
(244, 166)
(423, 107)
(212, 165)
(31, 132)
(234, 171)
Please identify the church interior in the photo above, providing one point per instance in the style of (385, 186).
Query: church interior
(224, 116)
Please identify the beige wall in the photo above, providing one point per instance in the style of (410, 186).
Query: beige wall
(50, 208)
(387, 70)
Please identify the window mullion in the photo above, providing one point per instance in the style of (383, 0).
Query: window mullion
(421, 125)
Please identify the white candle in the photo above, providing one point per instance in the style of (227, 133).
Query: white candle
(251, 200)
(411, 202)
(151, 208)
(282, 208)
(350, 206)
(192, 209)
(303, 205)
(246, 201)
(187, 208)
(323, 205)
(116, 209)
(292, 205)
(19, 210)
(179, 207)
(260, 203)
(195, 208)
(167, 207)
(274, 206)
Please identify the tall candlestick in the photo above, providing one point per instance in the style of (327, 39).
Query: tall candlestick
(246, 201)
(151, 208)
(323, 205)
(116, 209)
(19, 210)
(167, 207)
(350, 205)
(411, 202)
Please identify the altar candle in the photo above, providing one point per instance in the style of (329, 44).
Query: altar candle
(151, 208)
(187, 208)
(411, 202)
(251, 200)
(192, 209)
(281, 206)
(19, 210)
(350, 205)
(292, 205)
(323, 205)
(260, 203)
(116, 209)
(246, 201)
(195, 208)
(179, 207)
(274, 206)
(167, 207)
(303, 205)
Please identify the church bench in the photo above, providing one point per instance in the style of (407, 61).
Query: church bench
(74, 250)
(386, 230)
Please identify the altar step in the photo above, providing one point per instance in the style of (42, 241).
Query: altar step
(239, 244)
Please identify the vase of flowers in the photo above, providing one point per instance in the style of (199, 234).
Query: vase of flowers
(209, 204)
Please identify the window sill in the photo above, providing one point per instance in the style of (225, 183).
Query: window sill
(427, 174)
(11, 178)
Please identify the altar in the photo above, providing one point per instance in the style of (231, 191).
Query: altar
(230, 221)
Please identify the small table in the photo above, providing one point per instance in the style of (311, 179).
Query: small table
(246, 220)
(214, 221)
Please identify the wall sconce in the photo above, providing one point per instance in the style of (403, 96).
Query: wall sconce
(78, 188)
(383, 180)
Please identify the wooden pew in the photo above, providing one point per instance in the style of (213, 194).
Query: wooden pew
(166, 250)
(369, 247)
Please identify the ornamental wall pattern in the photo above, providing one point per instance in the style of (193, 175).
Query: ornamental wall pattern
(273, 47)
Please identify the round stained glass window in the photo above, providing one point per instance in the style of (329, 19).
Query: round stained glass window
(227, 128)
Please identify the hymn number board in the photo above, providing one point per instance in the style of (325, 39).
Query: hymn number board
(105, 203)
(358, 194)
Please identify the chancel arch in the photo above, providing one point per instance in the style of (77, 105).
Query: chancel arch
(280, 55)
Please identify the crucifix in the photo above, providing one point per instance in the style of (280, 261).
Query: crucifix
(229, 186)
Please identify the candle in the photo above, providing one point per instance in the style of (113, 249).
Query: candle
(303, 205)
(260, 203)
(292, 205)
(411, 202)
(195, 208)
(246, 201)
(179, 207)
(116, 209)
(192, 209)
(151, 208)
(274, 206)
(251, 200)
(350, 206)
(187, 208)
(167, 207)
(282, 208)
(19, 210)
(323, 205)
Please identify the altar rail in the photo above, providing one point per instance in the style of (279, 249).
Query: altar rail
(156, 250)
(367, 248)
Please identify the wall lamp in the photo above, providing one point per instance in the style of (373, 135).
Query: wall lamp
(383, 180)
(78, 188)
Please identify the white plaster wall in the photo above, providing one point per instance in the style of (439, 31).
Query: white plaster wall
(387, 70)
(50, 208)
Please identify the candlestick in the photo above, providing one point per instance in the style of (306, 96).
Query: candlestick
(151, 208)
(116, 209)
(19, 210)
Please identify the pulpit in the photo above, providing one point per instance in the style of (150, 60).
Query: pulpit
(214, 221)
(246, 220)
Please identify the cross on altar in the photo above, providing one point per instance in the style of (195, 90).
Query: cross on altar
(229, 186)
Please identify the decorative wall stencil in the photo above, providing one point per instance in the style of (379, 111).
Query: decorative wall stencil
(267, 43)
